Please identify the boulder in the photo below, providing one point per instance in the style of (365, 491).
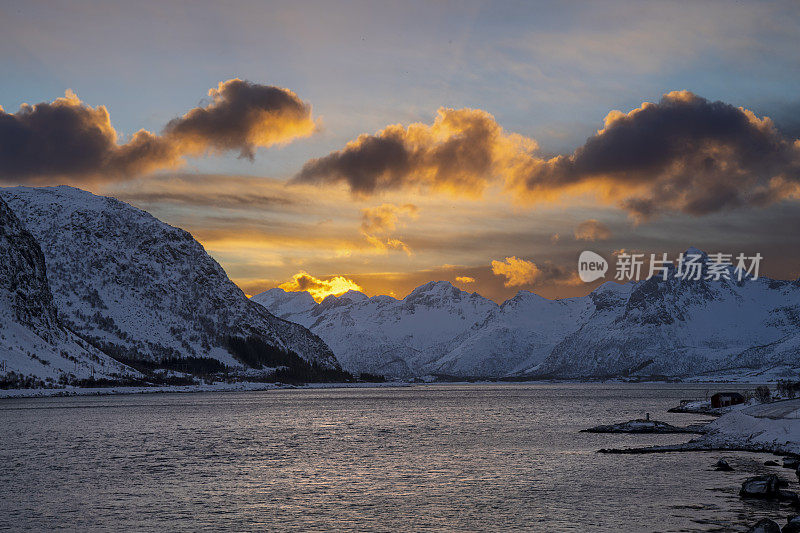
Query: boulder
(765, 525)
(765, 487)
(791, 462)
(723, 466)
(788, 496)
(792, 524)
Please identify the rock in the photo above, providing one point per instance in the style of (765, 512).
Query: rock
(765, 487)
(792, 524)
(642, 426)
(723, 466)
(788, 496)
(798, 473)
(765, 525)
(770, 463)
(791, 462)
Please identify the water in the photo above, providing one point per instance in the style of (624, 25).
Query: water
(430, 457)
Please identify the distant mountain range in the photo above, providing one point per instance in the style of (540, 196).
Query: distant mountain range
(649, 329)
(130, 288)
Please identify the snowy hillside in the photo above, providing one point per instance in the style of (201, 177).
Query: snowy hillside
(654, 328)
(141, 289)
(33, 343)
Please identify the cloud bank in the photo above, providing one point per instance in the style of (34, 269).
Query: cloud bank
(70, 139)
(684, 154)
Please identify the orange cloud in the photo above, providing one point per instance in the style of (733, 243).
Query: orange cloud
(517, 272)
(462, 152)
(376, 222)
(465, 279)
(319, 288)
(592, 230)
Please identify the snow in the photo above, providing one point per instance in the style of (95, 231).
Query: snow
(771, 427)
(33, 341)
(132, 286)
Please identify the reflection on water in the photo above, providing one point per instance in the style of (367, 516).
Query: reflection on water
(475, 457)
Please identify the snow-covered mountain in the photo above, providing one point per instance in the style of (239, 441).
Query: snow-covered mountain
(678, 327)
(34, 345)
(437, 329)
(138, 288)
(652, 328)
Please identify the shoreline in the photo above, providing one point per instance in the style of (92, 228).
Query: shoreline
(772, 427)
(240, 386)
(245, 386)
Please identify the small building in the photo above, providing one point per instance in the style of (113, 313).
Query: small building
(724, 399)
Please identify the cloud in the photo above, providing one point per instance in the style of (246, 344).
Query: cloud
(377, 222)
(319, 288)
(242, 116)
(465, 279)
(462, 152)
(70, 139)
(684, 153)
(517, 272)
(385, 217)
(592, 230)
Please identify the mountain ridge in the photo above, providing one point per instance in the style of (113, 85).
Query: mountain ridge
(650, 328)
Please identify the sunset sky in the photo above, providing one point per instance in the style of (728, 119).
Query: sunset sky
(381, 145)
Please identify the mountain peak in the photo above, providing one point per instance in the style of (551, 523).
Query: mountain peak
(694, 251)
(354, 295)
(433, 287)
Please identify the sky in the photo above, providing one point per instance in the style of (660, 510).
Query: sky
(378, 146)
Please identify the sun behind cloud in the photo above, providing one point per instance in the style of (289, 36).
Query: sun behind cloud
(319, 288)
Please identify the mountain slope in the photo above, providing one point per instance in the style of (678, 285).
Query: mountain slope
(34, 346)
(141, 289)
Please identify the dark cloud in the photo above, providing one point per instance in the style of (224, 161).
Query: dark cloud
(242, 116)
(683, 154)
(69, 139)
(462, 152)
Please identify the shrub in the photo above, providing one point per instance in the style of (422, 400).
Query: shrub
(762, 394)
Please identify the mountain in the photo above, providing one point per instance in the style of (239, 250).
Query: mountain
(437, 329)
(655, 328)
(382, 335)
(141, 290)
(35, 347)
(684, 328)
